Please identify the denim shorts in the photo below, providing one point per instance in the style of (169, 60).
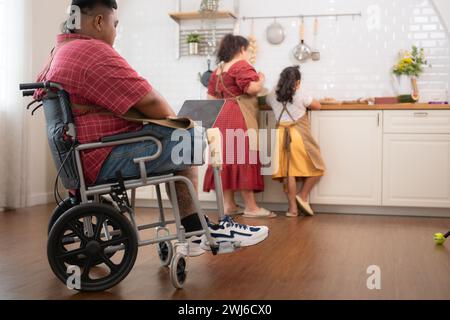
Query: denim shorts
(181, 149)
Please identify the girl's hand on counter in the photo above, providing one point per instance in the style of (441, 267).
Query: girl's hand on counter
(315, 105)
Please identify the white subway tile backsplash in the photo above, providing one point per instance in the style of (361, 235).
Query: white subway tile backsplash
(422, 35)
(356, 55)
(428, 11)
(430, 27)
(421, 19)
(438, 35)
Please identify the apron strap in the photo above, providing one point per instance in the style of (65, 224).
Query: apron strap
(220, 78)
(285, 109)
(287, 138)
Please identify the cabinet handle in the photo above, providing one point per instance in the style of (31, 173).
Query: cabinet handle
(421, 114)
(378, 120)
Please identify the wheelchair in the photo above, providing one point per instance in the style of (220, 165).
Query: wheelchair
(93, 234)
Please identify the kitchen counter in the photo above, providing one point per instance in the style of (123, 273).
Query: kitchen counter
(381, 160)
(389, 159)
(398, 106)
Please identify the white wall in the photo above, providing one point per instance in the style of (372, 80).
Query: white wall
(443, 7)
(356, 58)
(47, 15)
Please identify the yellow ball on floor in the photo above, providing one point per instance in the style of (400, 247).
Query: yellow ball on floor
(439, 238)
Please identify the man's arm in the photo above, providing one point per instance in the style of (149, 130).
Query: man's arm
(154, 106)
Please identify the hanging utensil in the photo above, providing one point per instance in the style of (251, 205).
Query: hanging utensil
(315, 55)
(206, 76)
(275, 33)
(302, 52)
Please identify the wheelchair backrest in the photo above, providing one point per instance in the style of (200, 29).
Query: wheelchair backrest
(58, 116)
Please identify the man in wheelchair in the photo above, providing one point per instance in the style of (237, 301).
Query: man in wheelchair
(102, 88)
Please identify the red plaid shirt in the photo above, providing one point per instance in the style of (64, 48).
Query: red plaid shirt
(94, 74)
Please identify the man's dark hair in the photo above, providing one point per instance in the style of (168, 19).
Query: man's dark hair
(91, 4)
(86, 6)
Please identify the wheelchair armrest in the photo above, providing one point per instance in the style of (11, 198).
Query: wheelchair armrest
(132, 135)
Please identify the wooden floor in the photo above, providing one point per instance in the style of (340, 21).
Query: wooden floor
(325, 257)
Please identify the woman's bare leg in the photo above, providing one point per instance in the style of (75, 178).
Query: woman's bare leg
(230, 205)
(250, 201)
(308, 184)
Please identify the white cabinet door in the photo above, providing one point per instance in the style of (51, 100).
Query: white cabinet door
(416, 170)
(351, 145)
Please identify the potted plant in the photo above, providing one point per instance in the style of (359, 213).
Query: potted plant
(409, 67)
(193, 40)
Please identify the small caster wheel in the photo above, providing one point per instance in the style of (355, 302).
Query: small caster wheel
(165, 252)
(439, 238)
(178, 271)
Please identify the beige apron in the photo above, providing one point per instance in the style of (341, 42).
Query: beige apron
(249, 109)
(293, 149)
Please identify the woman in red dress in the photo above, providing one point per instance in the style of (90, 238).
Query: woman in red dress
(242, 168)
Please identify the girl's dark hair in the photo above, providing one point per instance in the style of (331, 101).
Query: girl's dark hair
(230, 46)
(286, 85)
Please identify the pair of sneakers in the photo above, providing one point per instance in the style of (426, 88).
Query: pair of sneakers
(227, 230)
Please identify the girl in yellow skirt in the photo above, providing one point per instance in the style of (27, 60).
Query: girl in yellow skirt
(297, 154)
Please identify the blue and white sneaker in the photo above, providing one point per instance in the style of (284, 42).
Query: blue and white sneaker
(230, 231)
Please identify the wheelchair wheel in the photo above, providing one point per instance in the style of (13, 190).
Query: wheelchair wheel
(62, 208)
(70, 245)
(68, 204)
(65, 206)
(165, 253)
(178, 271)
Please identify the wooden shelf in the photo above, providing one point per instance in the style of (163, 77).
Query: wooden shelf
(182, 16)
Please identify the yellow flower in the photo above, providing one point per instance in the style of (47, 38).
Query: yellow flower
(407, 60)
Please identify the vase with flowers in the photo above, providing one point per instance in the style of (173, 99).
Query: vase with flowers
(409, 67)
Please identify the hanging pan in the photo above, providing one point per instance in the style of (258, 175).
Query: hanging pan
(275, 33)
(302, 52)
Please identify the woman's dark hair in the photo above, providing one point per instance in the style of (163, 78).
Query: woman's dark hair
(287, 84)
(230, 46)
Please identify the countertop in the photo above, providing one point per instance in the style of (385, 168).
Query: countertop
(399, 106)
